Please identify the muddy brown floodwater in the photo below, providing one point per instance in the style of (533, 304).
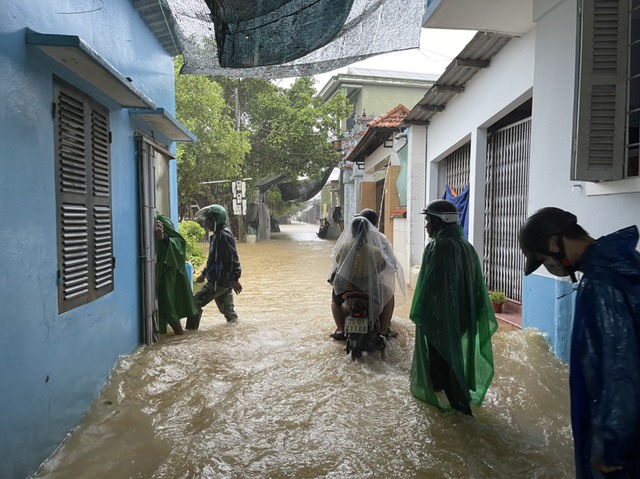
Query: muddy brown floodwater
(274, 397)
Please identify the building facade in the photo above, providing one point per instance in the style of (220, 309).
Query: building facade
(88, 139)
(514, 118)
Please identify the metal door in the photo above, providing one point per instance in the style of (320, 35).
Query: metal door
(507, 189)
(147, 194)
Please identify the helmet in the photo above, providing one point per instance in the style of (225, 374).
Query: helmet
(215, 214)
(445, 210)
(359, 225)
(371, 215)
(538, 228)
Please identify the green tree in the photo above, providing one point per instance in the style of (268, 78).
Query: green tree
(290, 129)
(220, 150)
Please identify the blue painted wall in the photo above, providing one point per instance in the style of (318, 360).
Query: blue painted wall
(54, 365)
(548, 305)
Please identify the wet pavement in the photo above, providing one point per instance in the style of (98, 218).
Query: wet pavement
(273, 397)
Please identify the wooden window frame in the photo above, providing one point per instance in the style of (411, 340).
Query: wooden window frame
(83, 197)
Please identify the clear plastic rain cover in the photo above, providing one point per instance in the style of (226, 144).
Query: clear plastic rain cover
(288, 38)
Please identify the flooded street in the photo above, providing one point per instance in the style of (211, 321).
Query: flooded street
(274, 397)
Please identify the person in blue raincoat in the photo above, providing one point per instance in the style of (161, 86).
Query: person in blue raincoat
(605, 341)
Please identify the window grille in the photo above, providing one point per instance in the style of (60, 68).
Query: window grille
(507, 189)
(458, 166)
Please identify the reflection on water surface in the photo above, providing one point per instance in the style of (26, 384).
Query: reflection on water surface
(273, 397)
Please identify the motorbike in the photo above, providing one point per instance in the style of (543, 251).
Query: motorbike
(362, 331)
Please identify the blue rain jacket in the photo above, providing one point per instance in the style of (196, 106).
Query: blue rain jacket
(605, 357)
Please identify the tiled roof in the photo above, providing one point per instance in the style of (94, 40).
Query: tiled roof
(390, 119)
(378, 129)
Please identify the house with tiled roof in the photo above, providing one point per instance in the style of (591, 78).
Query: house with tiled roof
(381, 168)
(375, 96)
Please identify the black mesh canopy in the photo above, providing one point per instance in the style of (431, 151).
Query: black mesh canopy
(282, 39)
(271, 32)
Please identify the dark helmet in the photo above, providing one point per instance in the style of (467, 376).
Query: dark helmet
(442, 209)
(371, 215)
(215, 214)
(538, 228)
(359, 225)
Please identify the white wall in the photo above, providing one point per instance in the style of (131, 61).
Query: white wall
(400, 245)
(491, 94)
(552, 127)
(417, 147)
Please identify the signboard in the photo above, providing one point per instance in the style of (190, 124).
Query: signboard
(238, 189)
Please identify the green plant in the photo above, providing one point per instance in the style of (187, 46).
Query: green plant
(497, 297)
(193, 233)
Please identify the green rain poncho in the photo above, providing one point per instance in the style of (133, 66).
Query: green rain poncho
(453, 315)
(175, 298)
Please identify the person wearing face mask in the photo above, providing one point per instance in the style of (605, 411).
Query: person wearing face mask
(604, 376)
(453, 317)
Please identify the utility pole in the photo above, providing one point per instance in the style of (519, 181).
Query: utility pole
(241, 232)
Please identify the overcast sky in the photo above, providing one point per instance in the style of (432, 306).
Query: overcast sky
(437, 49)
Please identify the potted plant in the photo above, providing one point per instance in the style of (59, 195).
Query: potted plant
(497, 298)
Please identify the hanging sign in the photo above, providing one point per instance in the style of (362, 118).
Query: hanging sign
(238, 189)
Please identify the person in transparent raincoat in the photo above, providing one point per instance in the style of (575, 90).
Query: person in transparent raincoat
(604, 377)
(453, 317)
(363, 261)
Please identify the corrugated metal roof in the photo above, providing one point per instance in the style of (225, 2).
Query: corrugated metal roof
(473, 58)
(161, 23)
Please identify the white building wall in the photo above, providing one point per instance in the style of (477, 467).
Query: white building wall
(551, 134)
(540, 65)
(378, 159)
(400, 245)
(417, 147)
(491, 94)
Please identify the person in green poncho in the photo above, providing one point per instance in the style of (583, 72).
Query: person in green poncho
(175, 299)
(453, 317)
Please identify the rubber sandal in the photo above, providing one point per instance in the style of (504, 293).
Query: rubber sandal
(338, 336)
(389, 334)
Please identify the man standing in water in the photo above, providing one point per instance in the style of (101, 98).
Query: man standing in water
(605, 341)
(222, 270)
(453, 317)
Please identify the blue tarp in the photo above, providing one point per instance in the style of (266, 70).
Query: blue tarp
(462, 203)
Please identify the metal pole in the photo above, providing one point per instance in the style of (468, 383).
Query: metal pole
(241, 232)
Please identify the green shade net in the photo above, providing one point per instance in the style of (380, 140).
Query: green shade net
(453, 314)
(250, 34)
(175, 299)
(282, 39)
